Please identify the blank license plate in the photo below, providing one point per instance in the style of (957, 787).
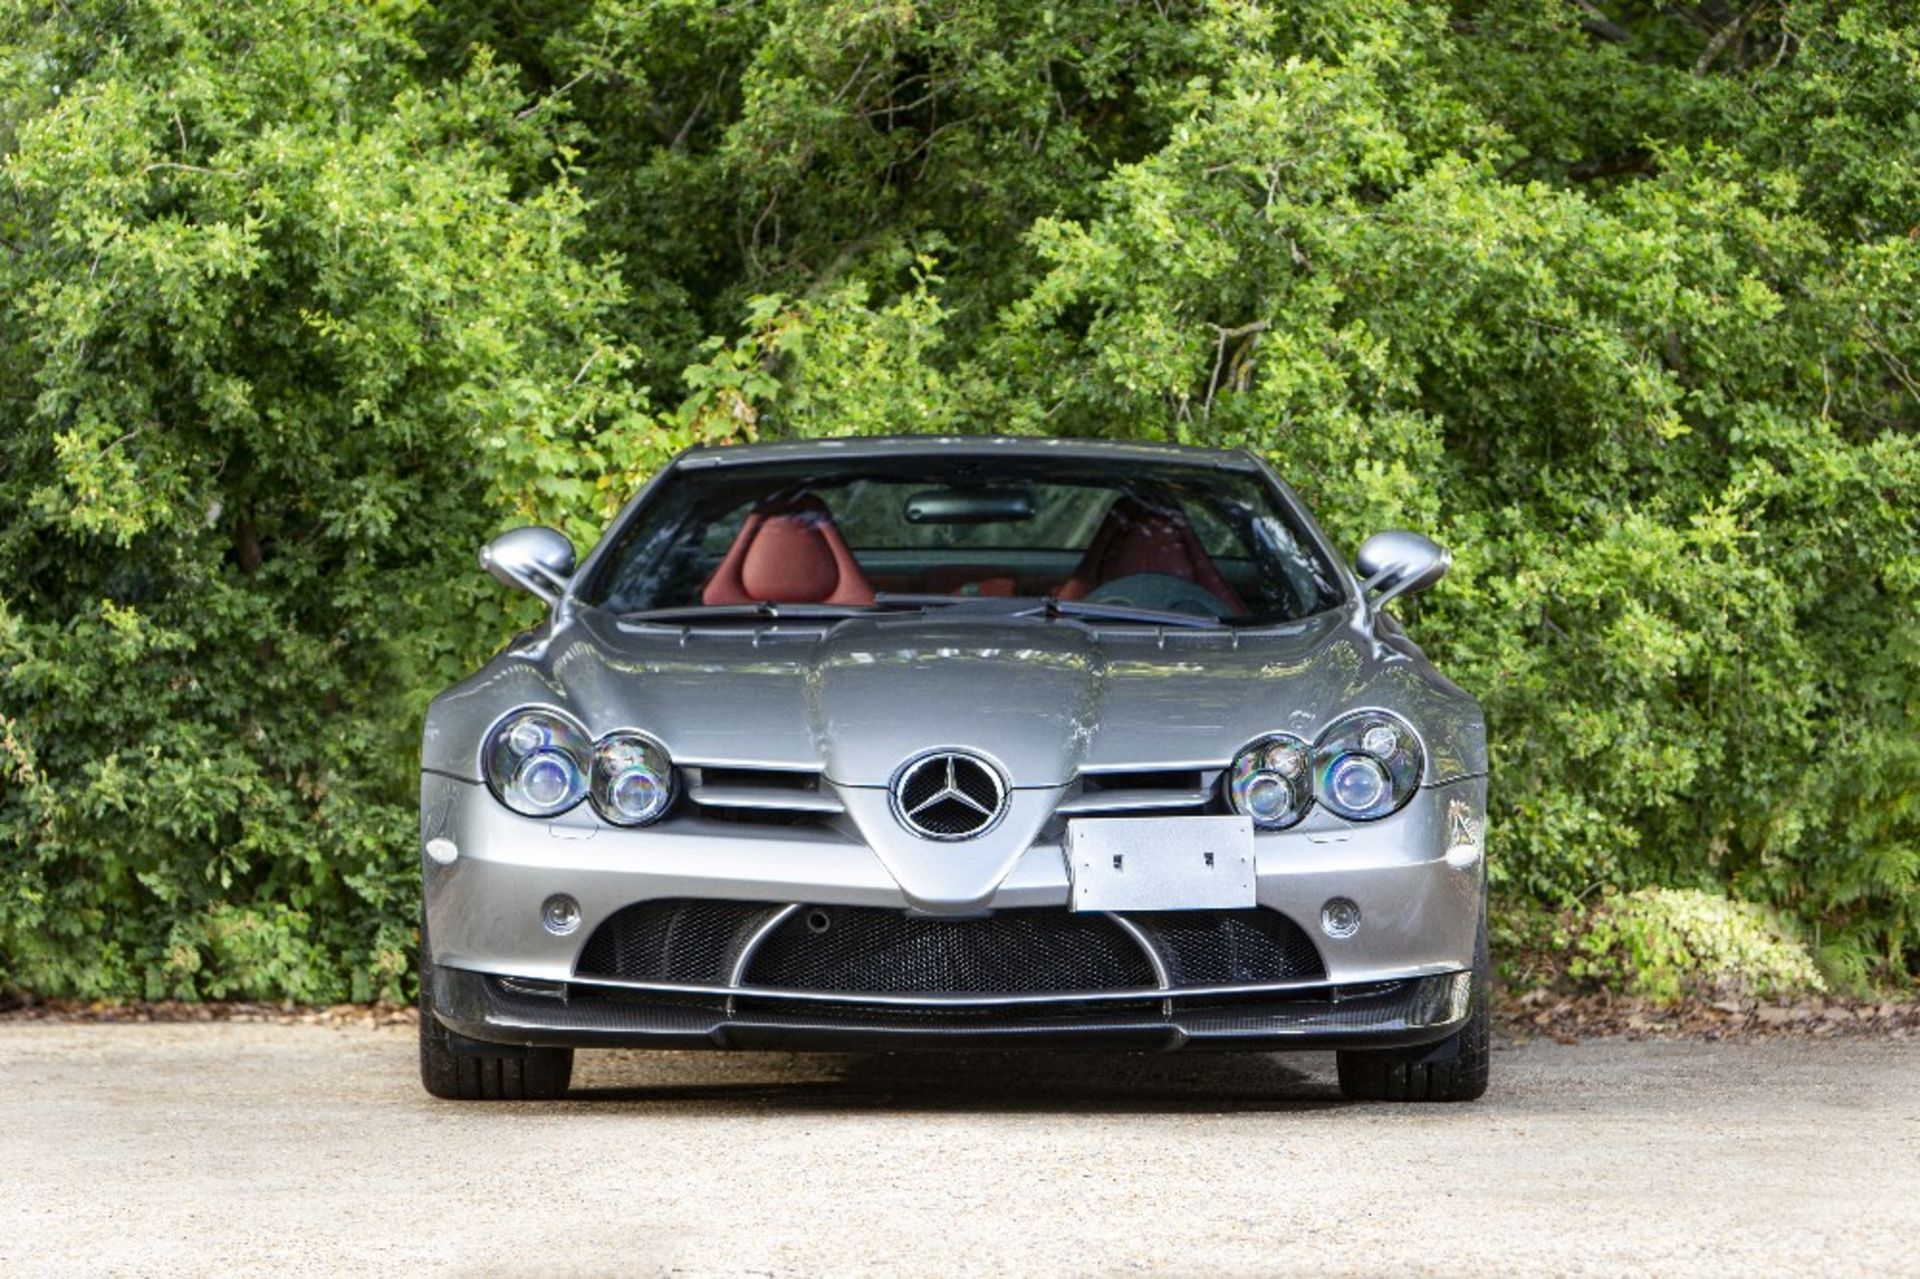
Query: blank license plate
(1160, 863)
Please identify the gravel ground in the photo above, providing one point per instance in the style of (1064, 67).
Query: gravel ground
(239, 1148)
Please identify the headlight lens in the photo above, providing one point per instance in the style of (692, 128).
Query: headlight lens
(1270, 781)
(1366, 765)
(1357, 783)
(632, 780)
(536, 763)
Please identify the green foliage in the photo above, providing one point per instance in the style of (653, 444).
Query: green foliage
(1661, 943)
(299, 303)
(286, 332)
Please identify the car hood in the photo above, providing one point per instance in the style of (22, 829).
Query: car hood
(1045, 700)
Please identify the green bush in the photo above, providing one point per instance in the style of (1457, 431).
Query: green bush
(286, 333)
(1662, 943)
(299, 303)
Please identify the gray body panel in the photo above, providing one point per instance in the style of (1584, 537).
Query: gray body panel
(1046, 700)
(1049, 702)
(1418, 889)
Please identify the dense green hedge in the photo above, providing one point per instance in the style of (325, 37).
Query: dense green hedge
(299, 302)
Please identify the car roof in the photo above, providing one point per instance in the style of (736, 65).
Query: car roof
(1028, 446)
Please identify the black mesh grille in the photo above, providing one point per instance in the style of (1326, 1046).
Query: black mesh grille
(840, 948)
(679, 940)
(1186, 779)
(782, 778)
(866, 949)
(1206, 948)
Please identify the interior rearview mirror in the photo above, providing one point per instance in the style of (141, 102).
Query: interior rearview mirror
(1397, 562)
(537, 560)
(970, 506)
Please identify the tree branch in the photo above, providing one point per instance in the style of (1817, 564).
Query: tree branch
(1725, 36)
(1599, 24)
(560, 92)
(1246, 331)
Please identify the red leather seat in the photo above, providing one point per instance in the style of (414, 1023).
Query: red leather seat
(1139, 538)
(788, 551)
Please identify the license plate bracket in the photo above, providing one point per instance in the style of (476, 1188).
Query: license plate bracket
(1160, 863)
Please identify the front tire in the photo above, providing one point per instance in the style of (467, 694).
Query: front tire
(1455, 1069)
(455, 1068)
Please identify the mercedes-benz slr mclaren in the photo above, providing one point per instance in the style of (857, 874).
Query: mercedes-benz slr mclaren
(944, 743)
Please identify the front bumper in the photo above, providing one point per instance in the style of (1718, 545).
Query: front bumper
(1417, 876)
(488, 1010)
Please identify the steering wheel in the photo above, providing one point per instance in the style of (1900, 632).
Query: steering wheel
(1162, 592)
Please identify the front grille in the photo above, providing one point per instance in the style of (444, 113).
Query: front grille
(1143, 793)
(868, 950)
(1214, 948)
(778, 778)
(762, 817)
(761, 796)
(1177, 779)
(675, 939)
(862, 949)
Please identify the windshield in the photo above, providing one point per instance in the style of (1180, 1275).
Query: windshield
(1158, 536)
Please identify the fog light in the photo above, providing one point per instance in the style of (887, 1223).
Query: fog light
(560, 915)
(1340, 918)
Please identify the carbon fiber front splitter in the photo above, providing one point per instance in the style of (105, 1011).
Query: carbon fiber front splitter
(484, 1009)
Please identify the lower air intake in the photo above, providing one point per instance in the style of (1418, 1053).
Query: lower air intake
(1230, 947)
(868, 950)
(675, 939)
(872, 951)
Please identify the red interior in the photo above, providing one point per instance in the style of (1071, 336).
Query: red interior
(1138, 538)
(966, 579)
(789, 551)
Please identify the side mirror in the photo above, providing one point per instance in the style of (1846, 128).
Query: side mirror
(1398, 563)
(537, 560)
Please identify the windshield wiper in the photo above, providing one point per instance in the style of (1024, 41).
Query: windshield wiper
(767, 610)
(738, 612)
(1057, 607)
(908, 600)
(888, 602)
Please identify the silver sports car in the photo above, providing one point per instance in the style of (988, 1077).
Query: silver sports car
(957, 743)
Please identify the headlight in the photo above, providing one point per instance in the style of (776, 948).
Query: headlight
(1366, 765)
(1271, 782)
(536, 763)
(632, 780)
